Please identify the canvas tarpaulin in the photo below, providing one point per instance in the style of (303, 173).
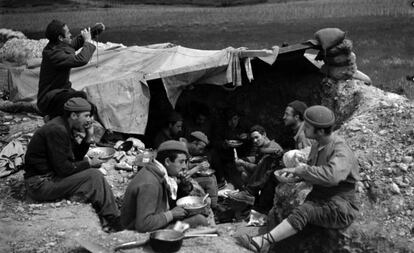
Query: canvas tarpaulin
(117, 82)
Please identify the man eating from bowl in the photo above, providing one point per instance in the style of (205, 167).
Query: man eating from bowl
(150, 196)
(56, 166)
(197, 142)
(332, 169)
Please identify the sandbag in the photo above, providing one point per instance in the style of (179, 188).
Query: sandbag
(329, 37)
(345, 47)
(341, 60)
(339, 73)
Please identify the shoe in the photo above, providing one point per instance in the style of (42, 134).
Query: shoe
(242, 196)
(113, 224)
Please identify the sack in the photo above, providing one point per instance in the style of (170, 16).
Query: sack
(341, 60)
(339, 73)
(329, 37)
(345, 47)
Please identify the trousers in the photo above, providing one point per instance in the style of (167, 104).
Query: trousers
(334, 213)
(89, 185)
(209, 184)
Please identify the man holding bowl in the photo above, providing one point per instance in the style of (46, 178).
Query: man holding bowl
(332, 169)
(150, 196)
(56, 166)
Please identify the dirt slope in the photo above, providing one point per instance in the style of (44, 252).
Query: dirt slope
(377, 125)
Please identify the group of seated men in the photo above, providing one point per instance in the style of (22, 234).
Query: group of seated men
(56, 166)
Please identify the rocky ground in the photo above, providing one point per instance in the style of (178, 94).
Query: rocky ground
(378, 126)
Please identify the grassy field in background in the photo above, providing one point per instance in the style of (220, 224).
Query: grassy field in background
(179, 16)
(381, 30)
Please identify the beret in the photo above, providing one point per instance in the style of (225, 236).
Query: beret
(200, 136)
(319, 116)
(173, 145)
(77, 104)
(298, 106)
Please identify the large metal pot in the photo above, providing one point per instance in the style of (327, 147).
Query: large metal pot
(167, 240)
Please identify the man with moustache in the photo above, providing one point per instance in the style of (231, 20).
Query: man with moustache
(56, 166)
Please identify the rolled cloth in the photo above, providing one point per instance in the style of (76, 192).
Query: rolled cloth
(173, 145)
(319, 116)
(77, 104)
(298, 106)
(200, 136)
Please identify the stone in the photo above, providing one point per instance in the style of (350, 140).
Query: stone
(400, 182)
(388, 170)
(403, 167)
(409, 191)
(384, 104)
(382, 132)
(407, 159)
(103, 171)
(360, 187)
(354, 128)
(395, 189)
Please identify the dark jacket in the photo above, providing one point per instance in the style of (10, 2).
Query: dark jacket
(57, 60)
(52, 150)
(145, 206)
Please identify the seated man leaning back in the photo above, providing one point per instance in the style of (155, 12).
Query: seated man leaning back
(256, 168)
(150, 196)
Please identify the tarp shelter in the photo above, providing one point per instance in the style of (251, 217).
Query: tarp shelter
(116, 80)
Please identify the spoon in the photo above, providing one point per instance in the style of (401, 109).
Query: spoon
(205, 197)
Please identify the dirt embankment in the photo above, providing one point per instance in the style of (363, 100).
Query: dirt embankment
(377, 125)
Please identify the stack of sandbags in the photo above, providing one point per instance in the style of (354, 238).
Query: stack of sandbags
(337, 54)
(340, 61)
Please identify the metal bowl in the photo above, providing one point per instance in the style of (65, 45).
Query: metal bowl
(234, 143)
(198, 159)
(206, 173)
(285, 178)
(103, 153)
(192, 204)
